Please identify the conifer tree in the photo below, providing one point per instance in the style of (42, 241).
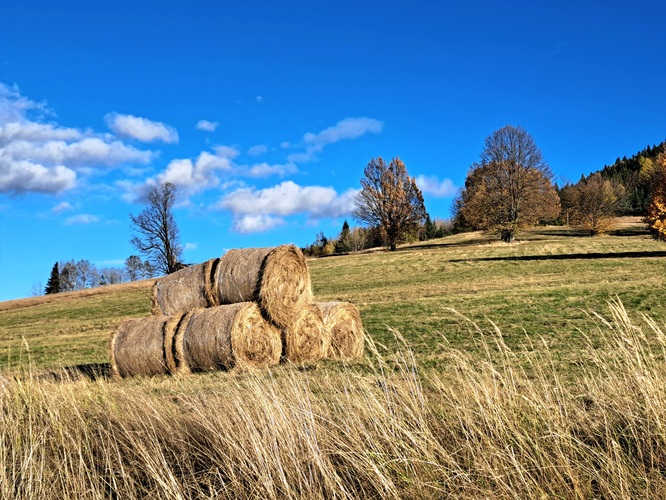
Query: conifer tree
(53, 284)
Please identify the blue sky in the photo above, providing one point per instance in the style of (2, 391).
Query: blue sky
(264, 114)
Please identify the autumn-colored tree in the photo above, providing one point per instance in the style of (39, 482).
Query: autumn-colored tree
(593, 203)
(390, 200)
(656, 210)
(510, 188)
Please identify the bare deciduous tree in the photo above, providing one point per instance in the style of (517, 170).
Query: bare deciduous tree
(510, 188)
(157, 237)
(390, 200)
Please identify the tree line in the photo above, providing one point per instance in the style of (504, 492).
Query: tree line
(67, 276)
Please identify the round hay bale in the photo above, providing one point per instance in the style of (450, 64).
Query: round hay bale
(228, 336)
(306, 339)
(137, 347)
(345, 328)
(184, 290)
(276, 278)
(173, 334)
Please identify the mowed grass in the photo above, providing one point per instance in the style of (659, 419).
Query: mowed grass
(540, 288)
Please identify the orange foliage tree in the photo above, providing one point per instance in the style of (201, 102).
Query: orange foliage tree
(510, 188)
(390, 200)
(656, 210)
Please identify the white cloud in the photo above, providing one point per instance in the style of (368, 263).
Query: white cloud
(432, 185)
(25, 176)
(45, 157)
(190, 246)
(259, 98)
(349, 128)
(258, 150)
(289, 198)
(266, 170)
(207, 126)
(61, 207)
(285, 144)
(256, 223)
(81, 219)
(141, 129)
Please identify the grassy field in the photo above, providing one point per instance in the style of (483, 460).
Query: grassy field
(543, 286)
(530, 370)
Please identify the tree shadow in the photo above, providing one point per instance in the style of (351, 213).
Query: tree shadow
(571, 256)
(90, 371)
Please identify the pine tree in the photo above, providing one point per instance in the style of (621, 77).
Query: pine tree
(342, 245)
(53, 284)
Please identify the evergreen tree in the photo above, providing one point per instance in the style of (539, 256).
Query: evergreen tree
(53, 284)
(342, 245)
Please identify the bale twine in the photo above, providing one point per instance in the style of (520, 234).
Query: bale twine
(306, 338)
(345, 328)
(184, 290)
(228, 336)
(137, 347)
(276, 278)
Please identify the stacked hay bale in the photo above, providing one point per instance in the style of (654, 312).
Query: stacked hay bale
(249, 308)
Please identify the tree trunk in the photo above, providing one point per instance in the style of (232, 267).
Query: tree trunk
(507, 235)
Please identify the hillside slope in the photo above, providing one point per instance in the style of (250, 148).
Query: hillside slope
(544, 285)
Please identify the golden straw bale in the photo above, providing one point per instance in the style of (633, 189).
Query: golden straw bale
(306, 338)
(276, 278)
(184, 290)
(345, 328)
(137, 347)
(228, 336)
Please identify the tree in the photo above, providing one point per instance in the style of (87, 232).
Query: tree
(134, 267)
(157, 237)
(510, 188)
(53, 284)
(390, 200)
(593, 203)
(656, 210)
(67, 276)
(342, 245)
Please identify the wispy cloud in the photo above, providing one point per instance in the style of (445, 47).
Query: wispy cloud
(349, 128)
(257, 150)
(141, 129)
(207, 126)
(81, 219)
(432, 185)
(61, 207)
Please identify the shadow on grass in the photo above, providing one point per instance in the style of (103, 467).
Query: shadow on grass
(91, 371)
(571, 256)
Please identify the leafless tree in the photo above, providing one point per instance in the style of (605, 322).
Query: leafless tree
(390, 200)
(158, 238)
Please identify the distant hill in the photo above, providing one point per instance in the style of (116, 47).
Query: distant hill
(632, 173)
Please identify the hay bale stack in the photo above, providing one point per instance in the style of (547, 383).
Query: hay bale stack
(187, 289)
(343, 322)
(227, 336)
(306, 338)
(173, 329)
(137, 347)
(276, 278)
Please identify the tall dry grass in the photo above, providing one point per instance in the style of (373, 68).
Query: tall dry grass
(507, 426)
